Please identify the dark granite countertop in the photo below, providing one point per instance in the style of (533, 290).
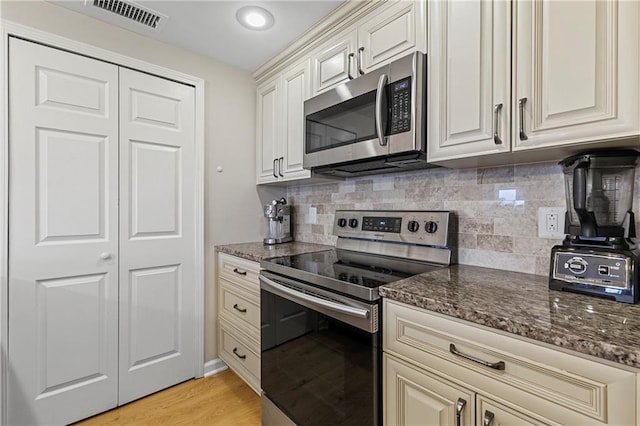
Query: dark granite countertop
(259, 251)
(522, 304)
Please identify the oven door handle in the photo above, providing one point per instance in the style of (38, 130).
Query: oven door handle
(336, 307)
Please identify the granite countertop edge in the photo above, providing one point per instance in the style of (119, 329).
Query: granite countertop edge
(616, 353)
(258, 251)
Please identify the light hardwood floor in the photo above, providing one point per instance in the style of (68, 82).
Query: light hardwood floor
(222, 399)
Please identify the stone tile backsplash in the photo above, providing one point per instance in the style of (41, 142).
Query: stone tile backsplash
(496, 208)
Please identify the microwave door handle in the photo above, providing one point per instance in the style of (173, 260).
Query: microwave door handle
(382, 83)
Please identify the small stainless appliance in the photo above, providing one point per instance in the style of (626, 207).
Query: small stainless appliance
(321, 338)
(375, 123)
(278, 215)
(599, 255)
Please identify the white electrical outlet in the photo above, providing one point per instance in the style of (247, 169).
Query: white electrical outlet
(551, 222)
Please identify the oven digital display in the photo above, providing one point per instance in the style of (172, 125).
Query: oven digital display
(381, 224)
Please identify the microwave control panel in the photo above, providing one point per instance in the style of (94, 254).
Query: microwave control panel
(400, 97)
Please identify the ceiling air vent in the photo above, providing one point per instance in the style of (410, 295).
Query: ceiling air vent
(132, 11)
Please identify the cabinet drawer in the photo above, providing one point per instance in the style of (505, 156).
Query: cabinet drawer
(531, 371)
(240, 354)
(239, 271)
(240, 307)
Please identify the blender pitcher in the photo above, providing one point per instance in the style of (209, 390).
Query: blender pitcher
(599, 191)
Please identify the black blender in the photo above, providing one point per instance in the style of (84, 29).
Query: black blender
(598, 256)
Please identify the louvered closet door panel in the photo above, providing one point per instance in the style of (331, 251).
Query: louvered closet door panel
(157, 234)
(63, 275)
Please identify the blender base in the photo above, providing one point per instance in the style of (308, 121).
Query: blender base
(608, 273)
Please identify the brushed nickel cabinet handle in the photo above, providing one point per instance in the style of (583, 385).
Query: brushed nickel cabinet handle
(523, 135)
(241, 310)
(274, 167)
(235, 352)
(349, 58)
(360, 51)
(496, 124)
(460, 404)
(280, 166)
(495, 365)
(238, 271)
(487, 420)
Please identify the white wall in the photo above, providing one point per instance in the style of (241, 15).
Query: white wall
(233, 208)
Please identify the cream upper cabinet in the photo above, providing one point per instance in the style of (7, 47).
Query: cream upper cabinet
(435, 366)
(280, 125)
(334, 62)
(469, 84)
(577, 71)
(569, 77)
(391, 31)
(267, 127)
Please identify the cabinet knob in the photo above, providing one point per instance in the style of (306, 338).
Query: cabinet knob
(105, 256)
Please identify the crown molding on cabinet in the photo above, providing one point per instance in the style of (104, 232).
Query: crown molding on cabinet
(343, 16)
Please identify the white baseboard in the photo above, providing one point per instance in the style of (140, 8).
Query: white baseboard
(214, 367)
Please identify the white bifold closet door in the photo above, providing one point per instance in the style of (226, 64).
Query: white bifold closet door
(100, 294)
(157, 234)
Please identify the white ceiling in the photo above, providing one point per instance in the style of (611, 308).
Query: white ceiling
(210, 28)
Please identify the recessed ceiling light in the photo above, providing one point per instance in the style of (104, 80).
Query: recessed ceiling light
(255, 18)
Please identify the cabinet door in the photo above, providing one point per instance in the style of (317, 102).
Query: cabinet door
(416, 397)
(468, 79)
(267, 128)
(390, 34)
(295, 90)
(335, 62)
(492, 413)
(63, 239)
(576, 72)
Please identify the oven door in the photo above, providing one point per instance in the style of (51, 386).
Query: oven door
(320, 360)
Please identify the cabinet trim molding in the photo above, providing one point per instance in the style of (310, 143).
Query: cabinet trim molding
(10, 29)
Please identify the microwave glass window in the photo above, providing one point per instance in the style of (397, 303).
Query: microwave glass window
(346, 123)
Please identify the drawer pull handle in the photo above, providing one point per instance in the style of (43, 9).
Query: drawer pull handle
(487, 420)
(235, 352)
(459, 407)
(495, 365)
(239, 272)
(242, 310)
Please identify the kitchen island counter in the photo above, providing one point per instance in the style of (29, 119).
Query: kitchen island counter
(258, 251)
(522, 304)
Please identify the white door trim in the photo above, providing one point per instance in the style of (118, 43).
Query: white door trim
(8, 29)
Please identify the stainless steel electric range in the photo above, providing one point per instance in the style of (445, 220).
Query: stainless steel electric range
(321, 333)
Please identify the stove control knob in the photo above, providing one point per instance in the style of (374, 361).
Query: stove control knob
(431, 227)
(353, 223)
(342, 222)
(413, 226)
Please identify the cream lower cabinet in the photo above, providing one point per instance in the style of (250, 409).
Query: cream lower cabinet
(424, 383)
(239, 317)
(517, 77)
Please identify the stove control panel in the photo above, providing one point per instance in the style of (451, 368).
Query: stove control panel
(415, 227)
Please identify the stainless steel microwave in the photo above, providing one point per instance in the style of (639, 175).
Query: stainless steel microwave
(375, 123)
